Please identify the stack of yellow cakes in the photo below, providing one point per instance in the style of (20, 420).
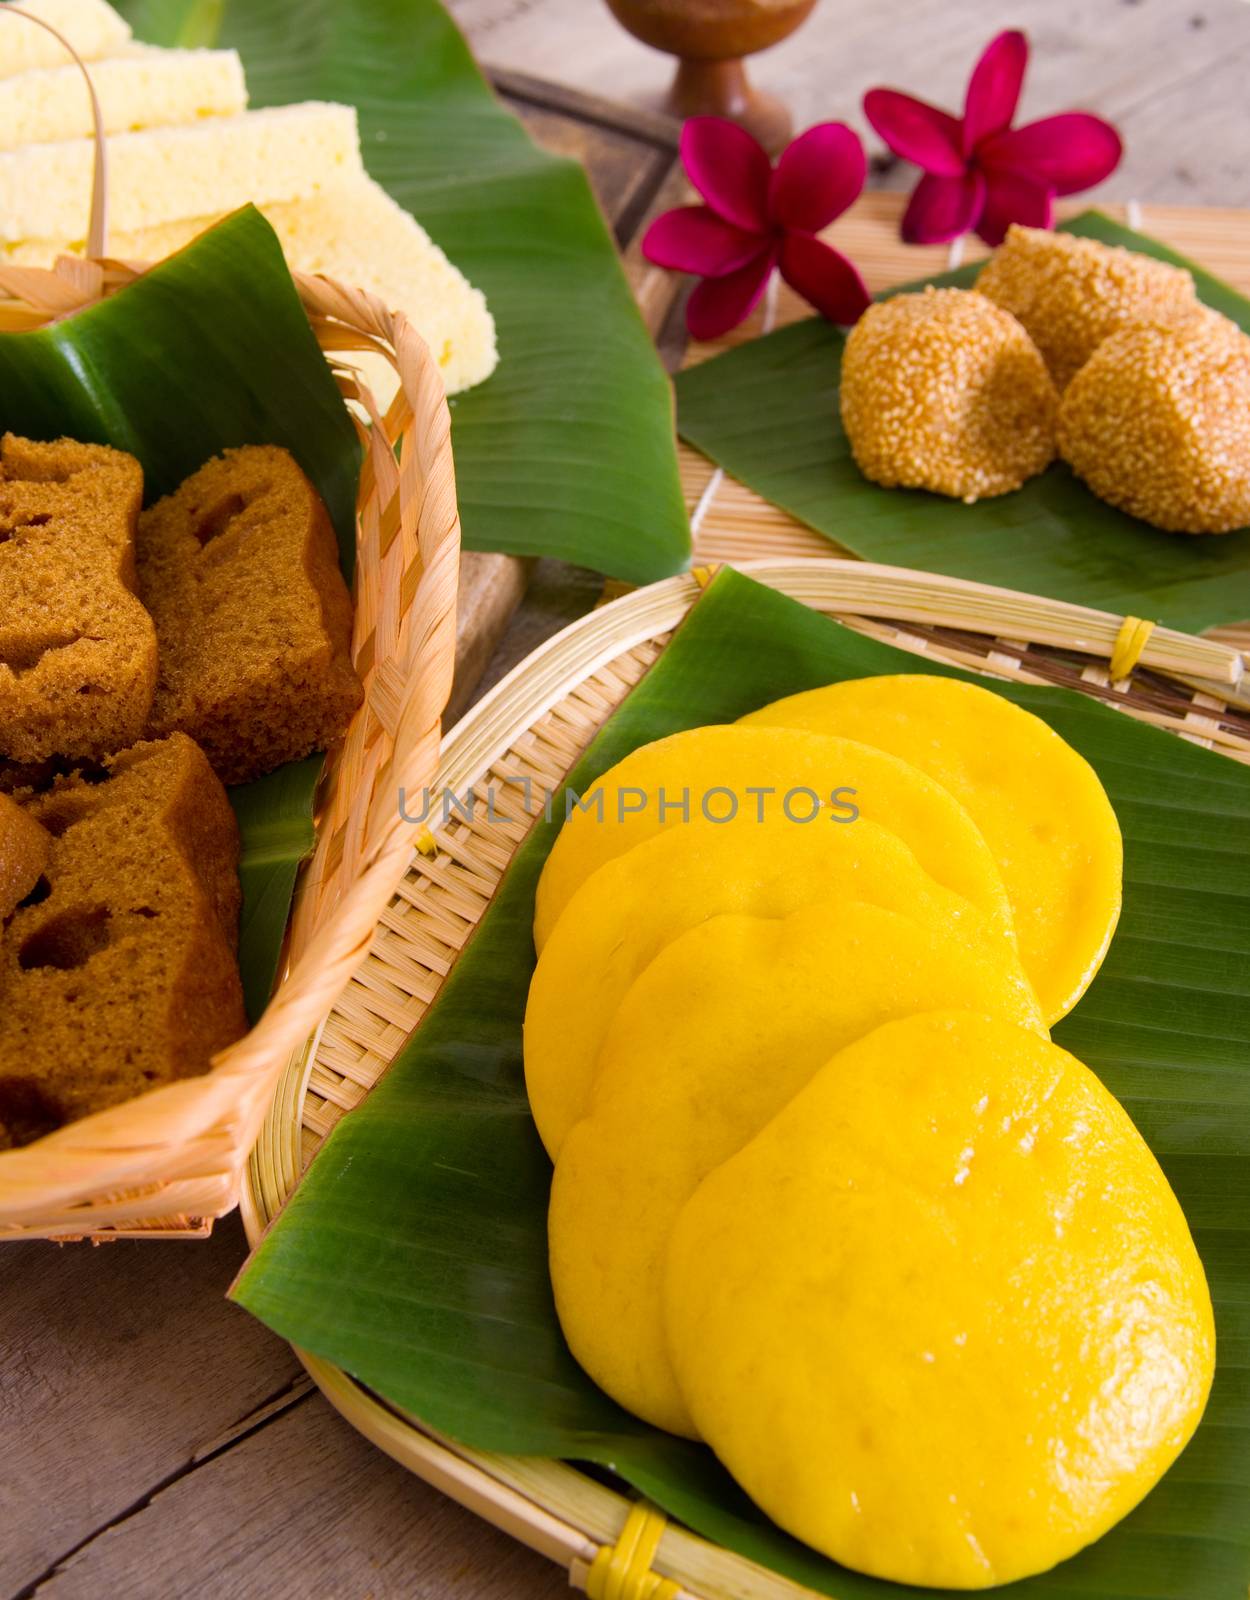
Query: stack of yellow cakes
(826, 1196)
(184, 150)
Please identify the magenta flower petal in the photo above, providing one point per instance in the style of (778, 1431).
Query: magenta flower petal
(729, 169)
(817, 177)
(1009, 198)
(718, 304)
(1067, 153)
(917, 131)
(942, 208)
(994, 88)
(824, 277)
(695, 239)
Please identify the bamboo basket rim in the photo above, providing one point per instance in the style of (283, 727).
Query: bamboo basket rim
(168, 1162)
(557, 1510)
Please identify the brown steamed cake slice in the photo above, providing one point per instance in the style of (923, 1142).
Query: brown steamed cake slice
(23, 854)
(118, 974)
(77, 649)
(17, 776)
(239, 568)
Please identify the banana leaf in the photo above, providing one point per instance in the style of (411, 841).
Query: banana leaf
(209, 350)
(550, 450)
(414, 1254)
(275, 816)
(767, 412)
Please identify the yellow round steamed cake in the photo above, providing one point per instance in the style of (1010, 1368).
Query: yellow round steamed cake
(942, 1319)
(635, 904)
(1038, 804)
(724, 1026)
(770, 773)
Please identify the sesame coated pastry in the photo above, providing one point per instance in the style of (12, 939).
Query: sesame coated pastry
(1158, 423)
(942, 390)
(1072, 293)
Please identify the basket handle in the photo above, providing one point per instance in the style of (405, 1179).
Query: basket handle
(97, 227)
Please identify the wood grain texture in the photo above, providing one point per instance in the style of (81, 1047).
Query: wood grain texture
(302, 1507)
(558, 594)
(1171, 75)
(119, 1368)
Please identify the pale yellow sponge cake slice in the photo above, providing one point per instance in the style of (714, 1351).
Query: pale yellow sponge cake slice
(160, 174)
(352, 231)
(184, 151)
(92, 27)
(144, 88)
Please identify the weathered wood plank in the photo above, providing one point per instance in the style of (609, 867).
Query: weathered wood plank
(119, 1366)
(303, 1507)
(522, 88)
(1170, 75)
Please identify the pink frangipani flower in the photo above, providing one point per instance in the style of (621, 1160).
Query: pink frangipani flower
(979, 172)
(758, 217)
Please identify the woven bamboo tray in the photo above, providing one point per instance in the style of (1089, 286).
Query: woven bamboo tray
(536, 723)
(167, 1163)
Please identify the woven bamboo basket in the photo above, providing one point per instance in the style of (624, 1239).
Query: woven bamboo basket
(167, 1163)
(536, 723)
(164, 1165)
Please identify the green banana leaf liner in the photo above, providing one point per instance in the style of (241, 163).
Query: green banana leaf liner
(767, 412)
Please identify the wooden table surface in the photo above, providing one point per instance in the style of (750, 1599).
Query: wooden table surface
(158, 1443)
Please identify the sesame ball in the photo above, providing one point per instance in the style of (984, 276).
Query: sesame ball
(942, 390)
(1157, 423)
(1071, 293)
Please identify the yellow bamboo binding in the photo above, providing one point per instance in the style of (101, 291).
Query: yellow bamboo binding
(622, 1571)
(1131, 640)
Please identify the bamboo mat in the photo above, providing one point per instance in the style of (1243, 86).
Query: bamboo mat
(732, 523)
